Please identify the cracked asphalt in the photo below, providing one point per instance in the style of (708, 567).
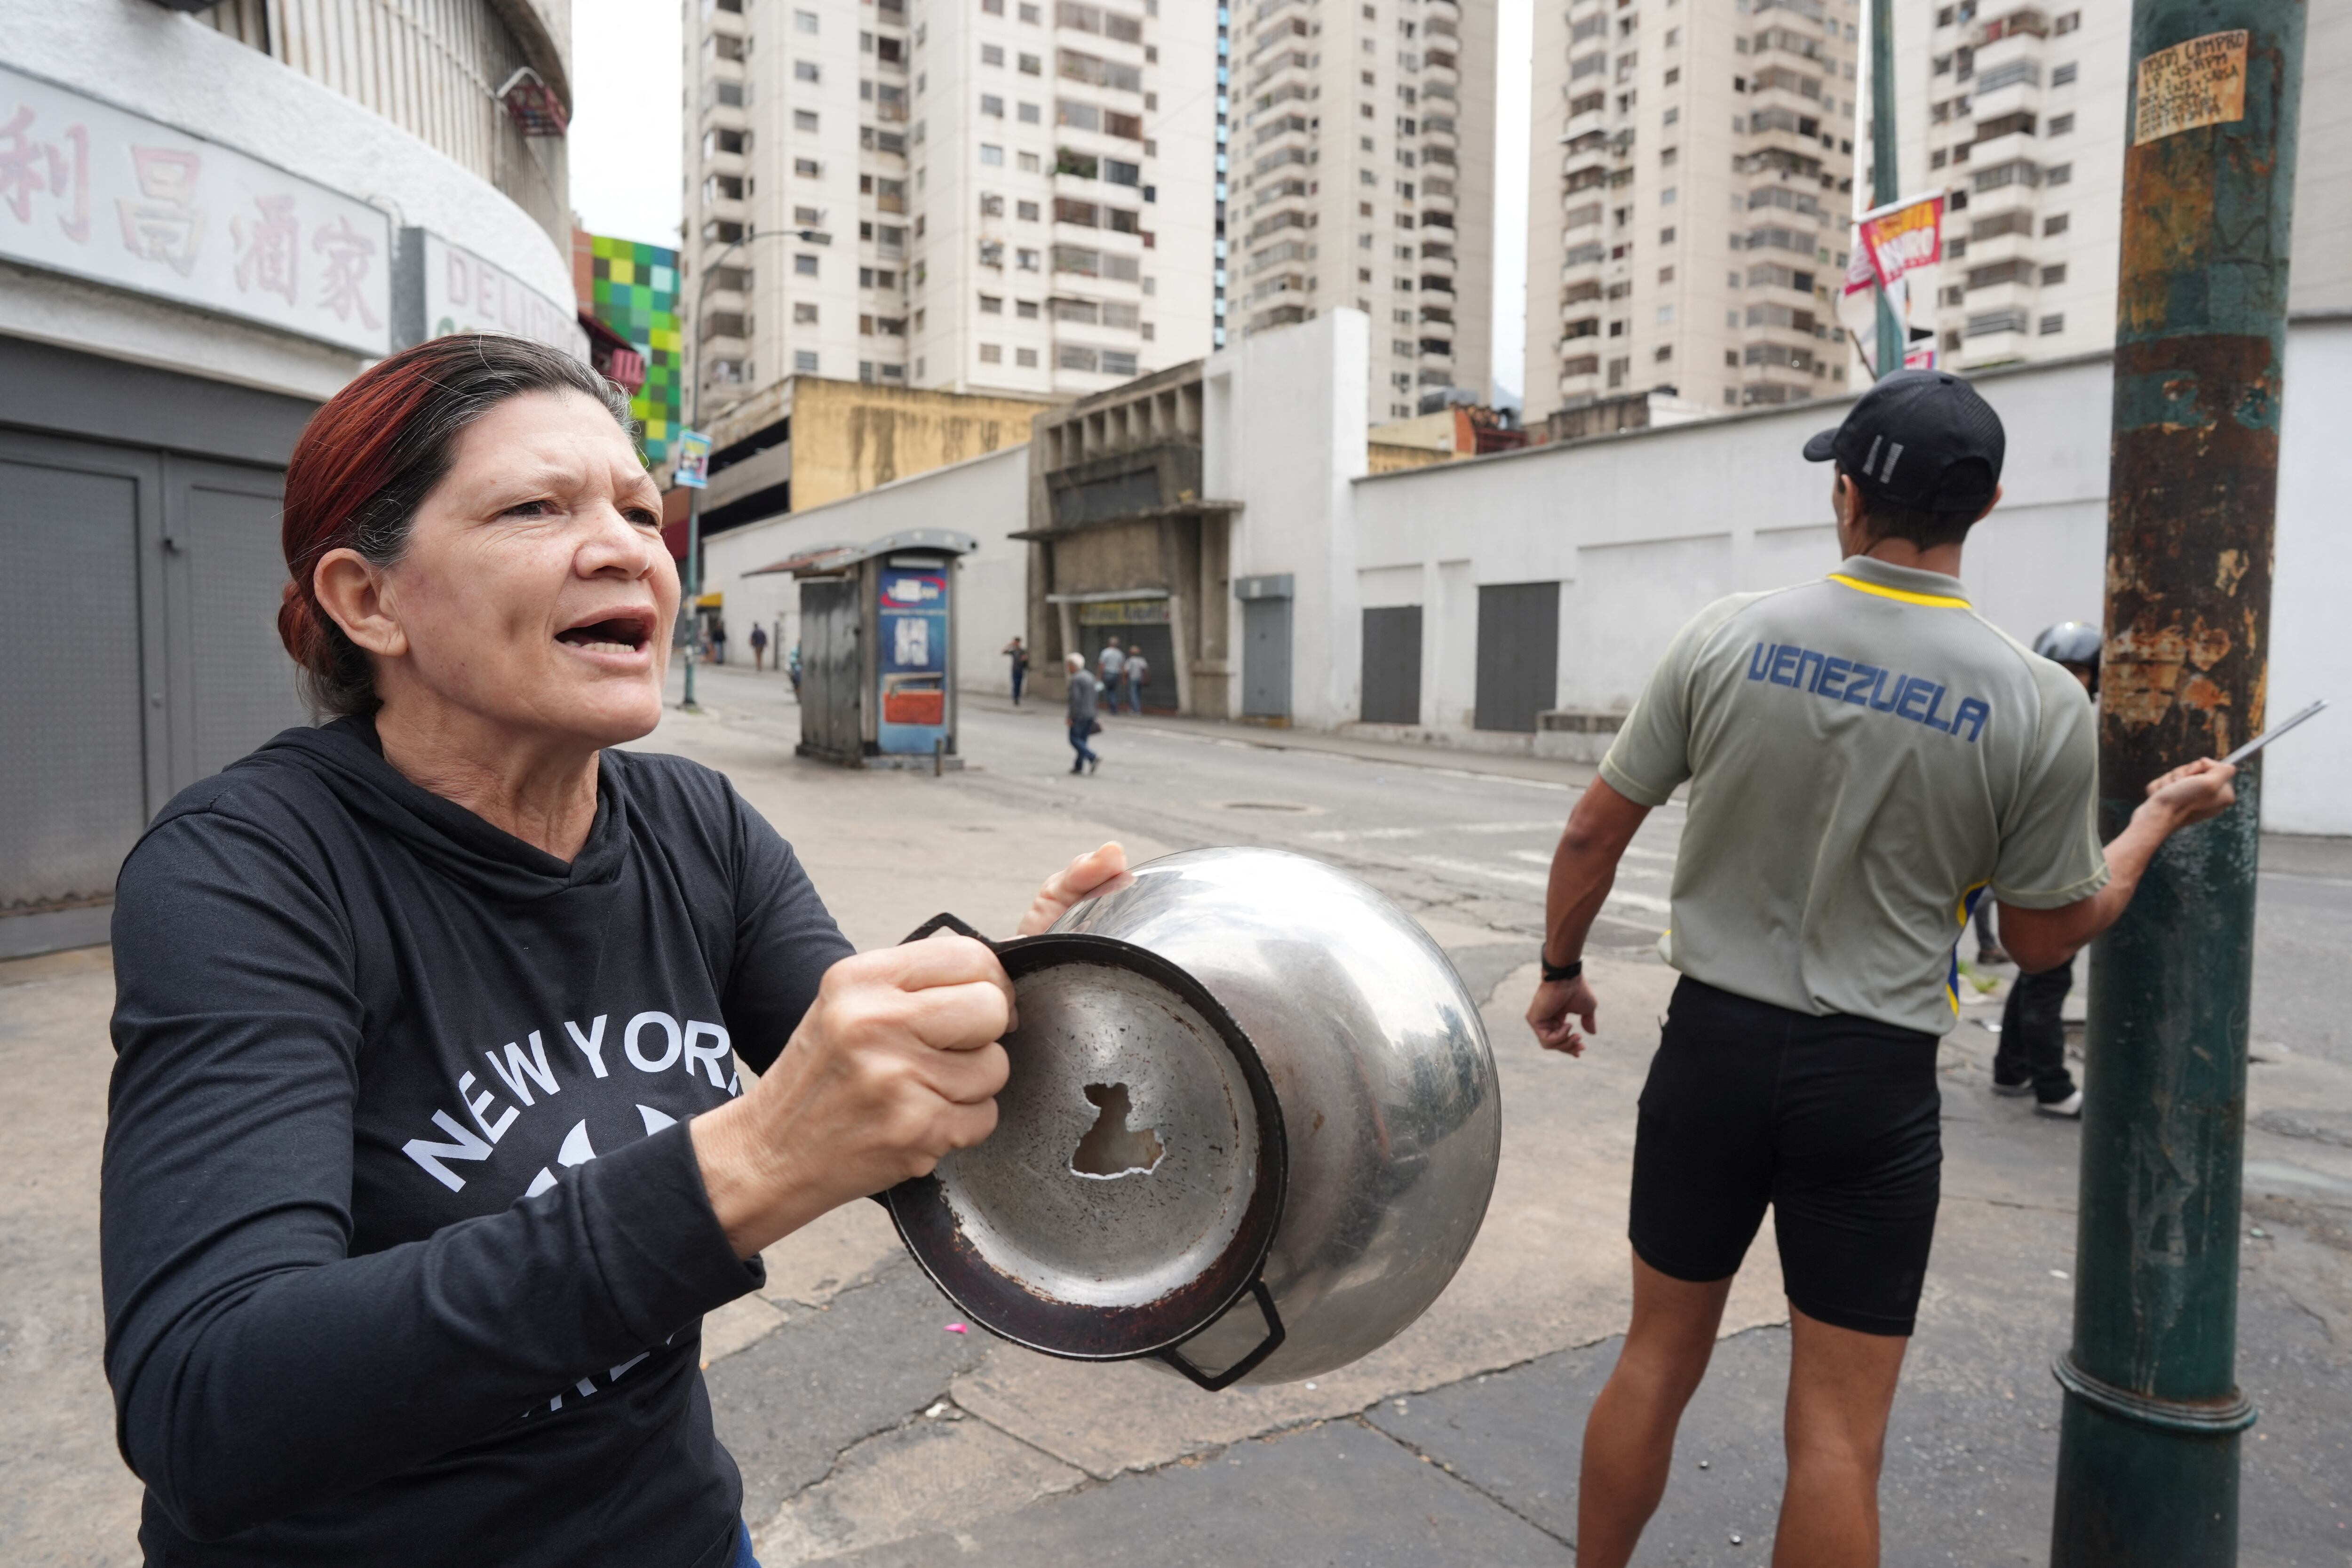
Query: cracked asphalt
(868, 1432)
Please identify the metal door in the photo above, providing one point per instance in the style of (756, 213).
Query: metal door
(234, 682)
(1393, 664)
(1265, 659)
(1518, 654)
(80, 777)
(830, 667)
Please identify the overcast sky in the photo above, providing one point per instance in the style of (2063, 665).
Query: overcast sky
(626, 145)
(624, 129)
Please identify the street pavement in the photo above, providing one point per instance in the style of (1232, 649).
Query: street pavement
(870, 1434)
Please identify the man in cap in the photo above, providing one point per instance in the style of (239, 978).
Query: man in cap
(1867, 758)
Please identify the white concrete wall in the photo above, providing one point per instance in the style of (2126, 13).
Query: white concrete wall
(987, 496)
(172, 67)
(1284, 415)
(1642, 530)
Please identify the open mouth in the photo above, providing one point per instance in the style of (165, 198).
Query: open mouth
(627, 632)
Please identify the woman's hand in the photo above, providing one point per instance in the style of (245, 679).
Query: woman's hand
(1091, 873)
(896, 1064)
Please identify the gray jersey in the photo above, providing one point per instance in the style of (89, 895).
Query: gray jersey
(1866, 756)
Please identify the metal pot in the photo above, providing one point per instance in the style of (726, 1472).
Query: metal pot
(1252, 1127)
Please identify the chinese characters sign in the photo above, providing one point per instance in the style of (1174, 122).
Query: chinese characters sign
(2200, 82)
(98, 192)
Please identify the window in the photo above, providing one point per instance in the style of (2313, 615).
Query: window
(992, 54)
(2060, 124)
(1030, 115)
(992, 106)
(804, 314)
(1026, 211)
(1665, 236)
(1029, 14)
(805, 70)
(994, 157)
(2053, 275)
(1666, 197)
(1026, 358)
(724, 140)
(1994, 323)
(1030, 261)
(1118, 363)
(808, 168)
(2008, 75)
(807, 217)
(803, 119)
(992, 8)
(804, 266)
(1025, 309)
(991, 204)
(2067, 23)
(722, 188)
(2052, 325)
(2056, 223)
(1029, 163)
(991, 304)
(992, 253)
(804, 22)
(2064, 76)
(992, 354)
(1032, 66)
(804, 362)
(2058, 174)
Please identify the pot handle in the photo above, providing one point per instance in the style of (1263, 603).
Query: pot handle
(1215, 1382)
(948, 923)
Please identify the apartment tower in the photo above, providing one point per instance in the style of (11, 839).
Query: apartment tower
(1362, 175)
(1691, 193)
(963, 194)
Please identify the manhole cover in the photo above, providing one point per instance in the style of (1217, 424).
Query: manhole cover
(1290, 807)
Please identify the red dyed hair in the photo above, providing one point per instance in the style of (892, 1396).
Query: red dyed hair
(367, 460)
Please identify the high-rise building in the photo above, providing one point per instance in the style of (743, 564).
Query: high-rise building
(1000, 195)
(1691, 192)
(1390, 207)
(2018, 113)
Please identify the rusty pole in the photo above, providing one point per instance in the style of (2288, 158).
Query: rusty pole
(2147, 1461)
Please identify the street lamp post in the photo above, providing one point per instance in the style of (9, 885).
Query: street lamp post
(2147, 1447)
(1885, 179)
(694, 422)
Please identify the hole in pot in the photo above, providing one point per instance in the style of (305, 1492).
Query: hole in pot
(1110, 1147)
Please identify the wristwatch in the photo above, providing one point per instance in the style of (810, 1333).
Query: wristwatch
(1553, 972)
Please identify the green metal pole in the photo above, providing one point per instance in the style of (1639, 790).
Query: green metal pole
(2147, 1460)
(693, 564)
(1886, 180)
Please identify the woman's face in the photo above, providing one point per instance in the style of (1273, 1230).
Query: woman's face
(535, 589)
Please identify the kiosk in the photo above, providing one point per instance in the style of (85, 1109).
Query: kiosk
(878, 650)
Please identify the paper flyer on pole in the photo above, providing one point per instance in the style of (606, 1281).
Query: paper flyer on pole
(1898, 248)
(693, 467)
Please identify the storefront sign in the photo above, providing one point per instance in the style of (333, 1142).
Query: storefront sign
(442, 288)
(106, 194)
(1124, 613)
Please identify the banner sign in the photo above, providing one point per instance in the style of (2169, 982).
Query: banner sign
(111, 196)
(1897, 249)
(693, 469)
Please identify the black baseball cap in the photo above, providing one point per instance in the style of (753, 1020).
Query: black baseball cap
(1921, 440)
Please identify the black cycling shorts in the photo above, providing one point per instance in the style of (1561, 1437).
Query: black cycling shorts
(1833, 1120)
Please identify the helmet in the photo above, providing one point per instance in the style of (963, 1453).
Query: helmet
(2073, 644)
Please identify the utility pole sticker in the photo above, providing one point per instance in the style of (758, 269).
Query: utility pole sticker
(2200, 82)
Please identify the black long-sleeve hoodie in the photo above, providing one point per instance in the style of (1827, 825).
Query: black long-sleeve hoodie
(405, 1245)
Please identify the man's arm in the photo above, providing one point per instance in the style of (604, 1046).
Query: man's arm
(2043, 939)
(1582, 869)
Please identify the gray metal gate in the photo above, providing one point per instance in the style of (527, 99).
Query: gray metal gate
(830, 667)
(1393, 664)
(1518, 654)
(1265, 646)
(139, 599)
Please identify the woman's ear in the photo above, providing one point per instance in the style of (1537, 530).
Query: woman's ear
(353, 594)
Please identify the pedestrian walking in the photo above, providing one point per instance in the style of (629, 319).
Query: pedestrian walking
(1019, 657)
(1867, 756)
(759, 648)
(2031, 1056)
(1110, 667)
(1083, 725)
(1138, 672)
(412, 1305)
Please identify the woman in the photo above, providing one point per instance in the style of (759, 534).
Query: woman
(427, 1151)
